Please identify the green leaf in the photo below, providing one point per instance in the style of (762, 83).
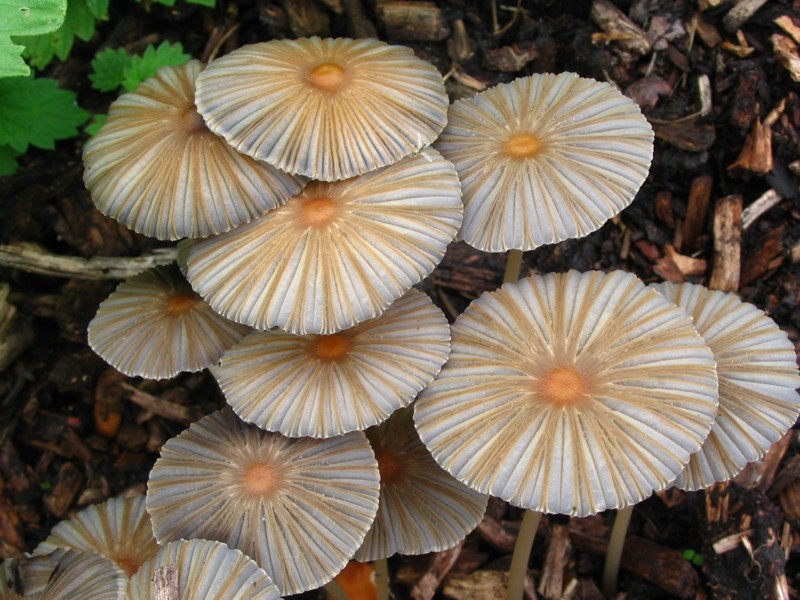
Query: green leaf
(209, 3)
(25, 17)
(41, 49)
(97, 122)
(109, 67)
(36, 112)
(98, 8)
(8, 160)
(152, 60)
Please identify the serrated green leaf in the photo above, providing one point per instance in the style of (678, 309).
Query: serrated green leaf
(8, 160)
(97, 122)
(36, 112)
(109, 68)
(152, 60)
(41, 49)
(21, 17)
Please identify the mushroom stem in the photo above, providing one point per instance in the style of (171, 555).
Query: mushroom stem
(522, 551)
(335, 591)
(614, 554)
(382, 578)
(513, 265)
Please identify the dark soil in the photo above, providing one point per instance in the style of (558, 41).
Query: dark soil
(58, 398)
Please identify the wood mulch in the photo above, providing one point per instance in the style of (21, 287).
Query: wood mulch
(719, 82)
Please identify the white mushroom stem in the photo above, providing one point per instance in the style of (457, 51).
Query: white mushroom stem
(614, 553)
(522, 553)
(513, 265)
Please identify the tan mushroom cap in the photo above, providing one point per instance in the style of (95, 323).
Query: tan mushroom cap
(326, 108)
(154, 325)
(155, 167)
(422, 507)
(758, 377)
(299, 507)
(334, 255)
(545, 158)
(67, 574)
(118, 528)
(321, 386)
(570, 393)
(203, 570)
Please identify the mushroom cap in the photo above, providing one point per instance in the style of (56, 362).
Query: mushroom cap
(758, 377)
(321, 386)
(544, 158)
(422, 507)
(204, 570)
(118, 528)
(299, 507)
(155, 167)
(570, 393)
(66, 574)
(334, 255)
(154, 325)
(326, 108)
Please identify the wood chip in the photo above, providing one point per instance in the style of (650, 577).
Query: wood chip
(740, 13)
(756, 154)
(619, 28)
(730, 542)
(786, 50)
(761, 205)
(676, 267)
(727, 244)
(686, 133)
(440, 566)
(707, 32)
(483, 585)
(163, 408)
(509, 59)
(767, 257)
(165, 583)
(307, 18)
(108, 403)
(559, 551)
(69, 482)
(498, 537)
(459, 46)
(786, 23)
(412, 20)
(697, 211)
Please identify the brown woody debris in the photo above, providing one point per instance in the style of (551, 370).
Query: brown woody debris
(413, 21)
(617, 27)
(740, 13)
(108, 403)
(307, 18)
(786, 23)
(440, 566)
(707, 32)
(697, 211)
(664, 208)
(493, 533)
(69, 483)
(559, 551)
(741, 48)
(786, 50)
(727, 244)
(766, 259)
(483, 585)
(163, 408)
(509, 59)
(756, 154)
(647, 90)
(687, 133)
(676, 267)
(750, 81)
(459, 48)
(359, 25)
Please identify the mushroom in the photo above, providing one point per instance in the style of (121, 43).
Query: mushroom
(155, 167)
(299, 507)
(544, 158)
(326, 108)
(326, 385)
(334, 255)
(200, 570)
(118, 529)
(155, 326)
(569, 393)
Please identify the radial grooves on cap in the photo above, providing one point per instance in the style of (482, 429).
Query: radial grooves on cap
(259, 99)
(206, 570)
(758, 377)
(426, 509)
(595, 149)
(277, 271)
(135, 333)
(119, 529)
(84, 575)
(304, 533)
(273, 380)
(654, 394)
(159, 173)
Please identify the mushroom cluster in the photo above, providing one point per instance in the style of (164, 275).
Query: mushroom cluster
(312, 202)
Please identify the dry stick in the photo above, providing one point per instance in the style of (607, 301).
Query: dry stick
(614, 553)
(522, 554)
(382, 578)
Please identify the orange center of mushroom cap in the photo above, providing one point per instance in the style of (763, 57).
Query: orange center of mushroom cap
(390, 466)
(181, 303)
(318, 212)
(192, 121)
(523, 145)
(262, 480)
(564, 386)
(129, 563)
(331, 347)
(328, 77)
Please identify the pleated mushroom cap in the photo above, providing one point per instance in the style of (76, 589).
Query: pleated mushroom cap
(154, 325)
(334, 255)
(545, 158)
(422, 507)
(155, 167)
(67, 574)
(201, 570)
(570, 393)
(326, 108)
(321, 386)
(758, 377)
(118, 528)
(299, 507)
